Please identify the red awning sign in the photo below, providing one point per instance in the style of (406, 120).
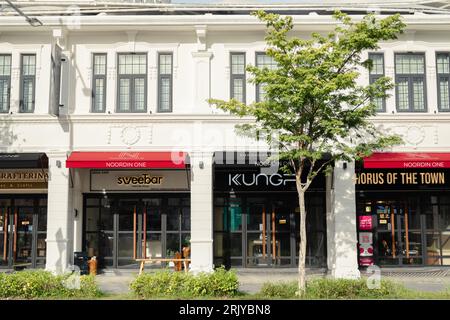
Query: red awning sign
(127, 160)
(407, 160)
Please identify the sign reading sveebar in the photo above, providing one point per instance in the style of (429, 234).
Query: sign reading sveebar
(23, 179)
(139, 180)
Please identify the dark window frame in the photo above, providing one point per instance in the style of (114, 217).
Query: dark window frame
(168, 77)
(22, 81)
(375, 77)
(132, 78)
(8, 81)
(101, 77)
(440, 76)
(238, 76)
(411, 77)
(259, 53)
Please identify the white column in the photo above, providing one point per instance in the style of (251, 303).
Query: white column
(77, 209)
(344, 258)
(201, 212)
(202, 81)
(329, 194)
(59, 215)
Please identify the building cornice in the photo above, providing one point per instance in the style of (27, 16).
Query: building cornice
(167, 118)
(160, 118)
(190, 23)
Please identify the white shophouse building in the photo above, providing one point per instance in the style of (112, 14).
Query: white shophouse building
(109, 147)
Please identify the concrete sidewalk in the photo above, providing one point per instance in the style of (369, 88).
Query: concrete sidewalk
(251, 280)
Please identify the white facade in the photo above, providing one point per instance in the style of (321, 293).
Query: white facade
(201, 46)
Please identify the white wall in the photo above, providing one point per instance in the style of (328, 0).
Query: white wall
(201, 70)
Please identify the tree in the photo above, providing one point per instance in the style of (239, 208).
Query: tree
(313, 102)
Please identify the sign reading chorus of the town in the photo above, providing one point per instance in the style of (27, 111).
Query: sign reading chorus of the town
(400, 178)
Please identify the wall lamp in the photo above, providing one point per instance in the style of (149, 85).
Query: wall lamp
(32, 21)
(344, 165)
(201, 165)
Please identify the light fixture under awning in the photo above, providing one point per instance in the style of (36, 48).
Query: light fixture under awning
(407, 160)
(127, 160)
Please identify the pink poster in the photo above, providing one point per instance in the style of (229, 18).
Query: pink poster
(365, 222)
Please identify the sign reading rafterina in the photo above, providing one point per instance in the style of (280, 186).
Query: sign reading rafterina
(23, 179)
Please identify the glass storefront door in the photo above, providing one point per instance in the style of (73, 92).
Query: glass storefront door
(257, 235)
(23, 230)
(252, 231)
(398, 234)
(120, 228)
(129, 231)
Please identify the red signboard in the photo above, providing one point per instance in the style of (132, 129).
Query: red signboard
(127, 160)
(366, 261)
(407, 160)
(365, 222)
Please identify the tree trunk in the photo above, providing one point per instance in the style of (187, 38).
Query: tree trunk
(302, 249)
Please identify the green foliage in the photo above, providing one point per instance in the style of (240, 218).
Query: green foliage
(43, 284)
(166, 283)
(313, 103)
(280, 290)
(351, 289)
(335, 289)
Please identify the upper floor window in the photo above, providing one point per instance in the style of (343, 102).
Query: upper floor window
(5, 82)
(132, 82)
(99, 82)
(165, 71)
(263, 61)
(443, 80)
(237, 76)
(375, 73)
(410, 82)
(27, 82)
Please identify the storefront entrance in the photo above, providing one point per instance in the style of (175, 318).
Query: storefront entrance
(121, 228)
(23, 225)
(255, 231)
(398, 234)
(268, 234)
(257, 216)
(404, 230)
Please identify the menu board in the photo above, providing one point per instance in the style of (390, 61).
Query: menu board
(365, 223)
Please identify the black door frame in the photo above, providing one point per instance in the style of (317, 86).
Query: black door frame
(399, 227)
(13, 230)
(270, 204)
(113, 198)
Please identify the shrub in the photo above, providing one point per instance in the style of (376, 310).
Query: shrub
(43, 284)
(282, 290)
(351, 289)
(179, 284)
(334, 289)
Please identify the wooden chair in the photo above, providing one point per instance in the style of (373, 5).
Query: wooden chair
(186, 254)
(178, 264)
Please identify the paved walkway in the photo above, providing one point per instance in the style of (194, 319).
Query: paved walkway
(251, 280)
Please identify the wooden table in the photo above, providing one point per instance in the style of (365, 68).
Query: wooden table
(152, 260)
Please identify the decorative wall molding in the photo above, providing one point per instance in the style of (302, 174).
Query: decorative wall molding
(130, 134)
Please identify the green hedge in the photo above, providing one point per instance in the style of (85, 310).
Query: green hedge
(43, 284)
(334, 289)
(180, 284)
